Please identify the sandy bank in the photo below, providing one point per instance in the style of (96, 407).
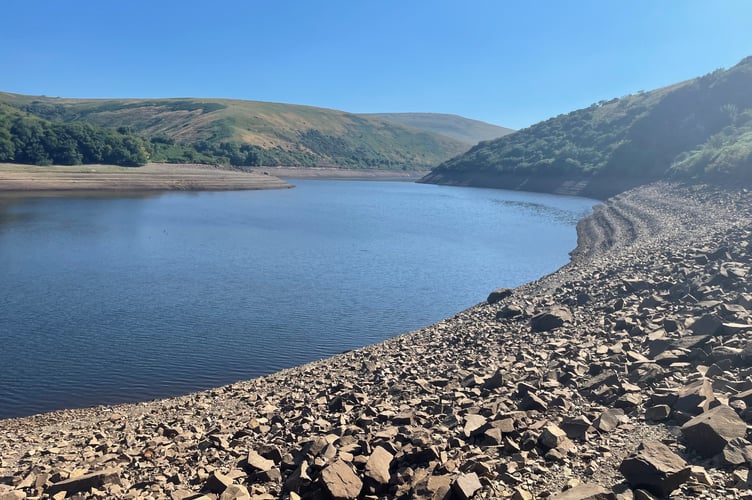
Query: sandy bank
(546, 387)
(151, 177)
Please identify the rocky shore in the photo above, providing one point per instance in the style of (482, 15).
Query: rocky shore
(626, 374)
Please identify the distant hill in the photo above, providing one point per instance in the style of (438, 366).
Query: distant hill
(250, 133)
(462, 129)
(700, 129)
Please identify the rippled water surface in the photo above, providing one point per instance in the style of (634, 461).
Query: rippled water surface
(106, 300)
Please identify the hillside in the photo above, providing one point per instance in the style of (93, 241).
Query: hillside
(462, 129)
(250, 133)
(700, 129)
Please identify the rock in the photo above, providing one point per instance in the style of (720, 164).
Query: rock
(532, 402)
(695, 398)
(609, 419)
(466, 485)
(738, 451)
(258, 463)
(498, 295)
(509, 311)
(217, 482)
(657, 413)
(436, 488)
(377, 467)
(656, 468)
(550, 319)
(585, 492)
(495, 381)
(235, 492)
(552, 436)
(86, 482)
(577, 427)
(340, 481)
(473, 424)
(710, 432)
(709, 324)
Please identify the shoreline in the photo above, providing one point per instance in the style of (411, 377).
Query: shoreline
(16, 178)
(334, 173)
(474, 403)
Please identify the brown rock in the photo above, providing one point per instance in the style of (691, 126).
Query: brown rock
(585, 492)
(473, 424)
(658, 413)
(695, 398)
(466, 485)
(609, 419)
(235, 492)
(498, 295)
(550, 319)
(258, 463)
(377, 467)
(217, 482)
(552, 436)
(711, 431)
(656, 468)
(86, 482)
(340, 481)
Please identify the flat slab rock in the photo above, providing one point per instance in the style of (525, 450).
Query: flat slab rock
(654, 467)
(710, 432)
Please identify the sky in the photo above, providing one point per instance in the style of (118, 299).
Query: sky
(511, 63)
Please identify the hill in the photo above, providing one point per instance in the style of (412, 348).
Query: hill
(459, 128)
(700, 129)
(250, 132)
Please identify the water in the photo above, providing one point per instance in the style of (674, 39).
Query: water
(107, 300)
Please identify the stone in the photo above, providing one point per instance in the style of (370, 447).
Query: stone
(532, 402)
(258, 463)
(658, 413)
(235, 492)
(473, 424)
(466, 485)
(609, 419)
(710, 432)
(498, 295)
(738, 451)
(550, 319)
(340, 481)
(577, 427)
(85, 482)
(695, 398)
(584, 492)
(654, 467)
(552, 436)
(217, 482)
(708, 324)
(377, 466)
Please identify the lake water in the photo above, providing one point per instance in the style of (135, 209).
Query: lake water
(106, 300)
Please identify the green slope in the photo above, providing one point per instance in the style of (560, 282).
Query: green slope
(457, 127)
(251, 132)
(700, 129)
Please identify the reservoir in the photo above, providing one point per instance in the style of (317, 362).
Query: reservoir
(116, 299)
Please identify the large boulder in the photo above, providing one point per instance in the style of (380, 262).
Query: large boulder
(654, 467)
(710, 432)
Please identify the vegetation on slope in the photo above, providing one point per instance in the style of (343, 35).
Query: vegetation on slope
(699, 129)
(248, 133)
(462, 129)
(25, 138)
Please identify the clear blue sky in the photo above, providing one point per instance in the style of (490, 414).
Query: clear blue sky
(512, 63)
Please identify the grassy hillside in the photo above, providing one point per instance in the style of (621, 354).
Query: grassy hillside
(250, 132)
(462, 129)
(698, 129)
